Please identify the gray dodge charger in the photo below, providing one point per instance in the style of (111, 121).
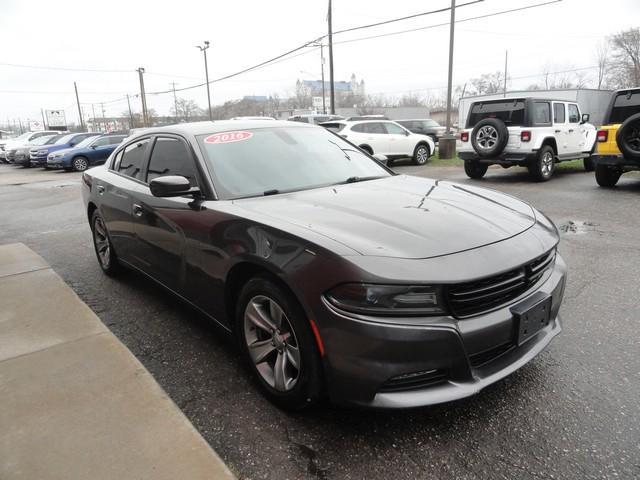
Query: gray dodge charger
(337, 277)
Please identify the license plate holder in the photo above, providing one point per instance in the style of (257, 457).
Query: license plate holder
(531, 316)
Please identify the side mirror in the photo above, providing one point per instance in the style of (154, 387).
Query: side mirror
(380, 158)
(585, 117)
(407, 133)
(171, 186)
(94, 147)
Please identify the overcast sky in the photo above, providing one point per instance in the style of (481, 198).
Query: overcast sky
(160, 36)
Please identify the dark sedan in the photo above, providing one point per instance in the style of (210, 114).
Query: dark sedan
(336, 276)
(424, 127)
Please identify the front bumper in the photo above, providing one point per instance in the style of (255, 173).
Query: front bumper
(362, 355)
(21, 159)
(618, 161)
(56, 163)
(38, 161)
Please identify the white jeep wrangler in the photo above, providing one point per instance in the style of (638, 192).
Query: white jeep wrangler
(530, 132)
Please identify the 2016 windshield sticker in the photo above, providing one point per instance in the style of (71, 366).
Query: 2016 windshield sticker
(228, 137)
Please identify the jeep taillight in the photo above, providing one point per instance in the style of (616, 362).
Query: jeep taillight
(464, 137)
(603, 136)
(525, 136)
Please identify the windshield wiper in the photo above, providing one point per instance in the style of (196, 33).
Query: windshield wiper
(361, 179)
(274, 191)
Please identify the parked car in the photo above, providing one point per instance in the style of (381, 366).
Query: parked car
(367, 117)
(385, 137)
(530, 132)
(252, 118)
(424, 127)
(90, 152)
(315, 118)
(9, 147)
(334, 274)
(22, 153)
(38, 155)
(618, 140)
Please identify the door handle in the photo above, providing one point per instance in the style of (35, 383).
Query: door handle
(100, 189)
(137, 210)
(571, 130)
(557, 131)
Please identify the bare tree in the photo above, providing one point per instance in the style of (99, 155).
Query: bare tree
(487, 84)
(411, 100)
(625, 59)
(602, 59)
(186, 109)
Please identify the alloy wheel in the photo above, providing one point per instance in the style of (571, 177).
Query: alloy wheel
(101, 241)
(546, 166)
(487, 137)
(422, 155)
(80, 164)
(272, 343)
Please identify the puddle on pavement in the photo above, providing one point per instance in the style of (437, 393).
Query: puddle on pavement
(577, 227)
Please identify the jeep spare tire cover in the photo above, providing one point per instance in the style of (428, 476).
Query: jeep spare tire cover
(628, 137)
(489, 137)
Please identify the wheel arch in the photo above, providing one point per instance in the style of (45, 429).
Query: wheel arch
(91, 207)
(426, 144)
(550, 141)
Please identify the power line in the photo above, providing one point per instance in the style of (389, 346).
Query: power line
(427, 27)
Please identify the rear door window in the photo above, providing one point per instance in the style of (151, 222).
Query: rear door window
(374, 127)
(133, 159)
(558, 113)
(510, 112)
(624, 105)
(574, 113)
(171, 156)
(541, 113)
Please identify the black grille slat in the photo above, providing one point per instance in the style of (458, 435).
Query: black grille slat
(471, 298)
(482, 358)
(414, 382)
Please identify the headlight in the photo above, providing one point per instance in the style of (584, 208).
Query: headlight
(388, 299)
(55, 155)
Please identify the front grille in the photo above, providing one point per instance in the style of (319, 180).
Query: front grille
(472, 298)
(414, 381)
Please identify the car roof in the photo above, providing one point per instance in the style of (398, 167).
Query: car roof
(413, 120)
(217, 126)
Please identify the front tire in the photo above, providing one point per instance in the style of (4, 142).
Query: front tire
(607, 177)
(278, 344)
(475, 169)
(421, 154)
(107, 258)
(542, 167)
(80, 164)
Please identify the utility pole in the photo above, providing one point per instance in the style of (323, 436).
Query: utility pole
(143, 98)
(206, 75)
(448, 141)
(79, 109)
(93, 109)
(103, 122)
(20, 122)
(332, 90)
(130, 113)
(506, 53)
(44, 124)
(175, 100)
(324, 107)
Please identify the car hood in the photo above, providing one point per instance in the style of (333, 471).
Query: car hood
(64, 151)
(400, 216)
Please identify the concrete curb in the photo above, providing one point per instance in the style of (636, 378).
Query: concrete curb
(76, 404)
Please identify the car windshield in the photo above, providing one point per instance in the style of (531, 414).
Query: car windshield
(52, 140)
(87, 141)
(431, 123)
(276, 160)
(64, 139)
(510, 112)
(42, 140)
(625, 105)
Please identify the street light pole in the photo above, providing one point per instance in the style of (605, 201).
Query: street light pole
(175, 100)
(143, 98)
(206, 74)
(324, 107)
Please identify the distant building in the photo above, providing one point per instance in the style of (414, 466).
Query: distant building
(256, 98)
(314, 87)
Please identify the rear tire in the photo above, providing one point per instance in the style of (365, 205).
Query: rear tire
(279, 337)
(607, 177)
(107, 258)
(475, 169)
(542, 167)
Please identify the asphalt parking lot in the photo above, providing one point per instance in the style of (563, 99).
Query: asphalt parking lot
(571, 413)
